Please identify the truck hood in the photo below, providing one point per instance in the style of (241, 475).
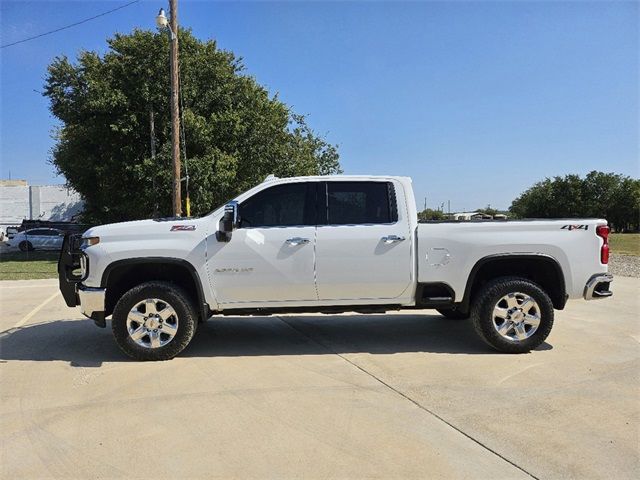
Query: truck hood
(149, 229)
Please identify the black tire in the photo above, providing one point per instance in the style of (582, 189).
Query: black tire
(453, 313)
(25, 246)
(172, 295)
(482, 313)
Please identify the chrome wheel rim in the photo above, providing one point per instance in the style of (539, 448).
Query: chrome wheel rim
(152, 323)
(516, 316)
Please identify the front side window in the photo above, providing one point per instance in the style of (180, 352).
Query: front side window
(352, 203)
(280, 206)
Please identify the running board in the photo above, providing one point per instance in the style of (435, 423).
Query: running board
(436, 301)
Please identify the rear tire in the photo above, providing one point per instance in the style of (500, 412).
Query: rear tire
(453, 314)
(512, 315)
(142, 312)
(25, 246)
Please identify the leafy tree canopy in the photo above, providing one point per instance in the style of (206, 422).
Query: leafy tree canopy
(599, 195)
(488, 210)
(236, 133)
(429, 214)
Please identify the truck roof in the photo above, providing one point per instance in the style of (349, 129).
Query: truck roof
(271, 178)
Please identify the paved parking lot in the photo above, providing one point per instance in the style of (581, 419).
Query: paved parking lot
(404, 395)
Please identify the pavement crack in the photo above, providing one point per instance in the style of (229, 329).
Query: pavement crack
(408, 398)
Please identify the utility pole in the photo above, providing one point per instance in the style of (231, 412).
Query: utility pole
(172, 25)
(152, 134)
(175, 110)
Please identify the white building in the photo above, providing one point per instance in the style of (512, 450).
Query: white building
(470, 216)
(20, 201)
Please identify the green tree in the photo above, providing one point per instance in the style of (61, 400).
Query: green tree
(488, 210)
(599, 195)
(625, 216)
(429, 214)
(235, 132)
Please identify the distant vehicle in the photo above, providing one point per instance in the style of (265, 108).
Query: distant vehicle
(11, 232)
(38, 239)
(70, 227)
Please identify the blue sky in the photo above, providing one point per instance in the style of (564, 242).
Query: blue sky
(476, 101)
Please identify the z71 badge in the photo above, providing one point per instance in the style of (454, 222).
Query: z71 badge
(575, 227)
(183, 228)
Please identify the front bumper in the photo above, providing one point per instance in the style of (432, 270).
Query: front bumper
(598, 286)
(70, 275)
(91, 301)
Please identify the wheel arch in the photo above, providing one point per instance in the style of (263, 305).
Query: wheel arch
(540, 268)
(122, 275)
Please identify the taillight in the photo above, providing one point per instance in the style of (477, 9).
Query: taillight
(603, 232)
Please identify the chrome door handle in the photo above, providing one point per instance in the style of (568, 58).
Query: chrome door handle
(392, 239)
(297, 241)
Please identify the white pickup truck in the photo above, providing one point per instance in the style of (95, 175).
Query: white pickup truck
(330, 244)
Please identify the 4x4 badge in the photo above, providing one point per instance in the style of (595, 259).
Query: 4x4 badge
(575, 227)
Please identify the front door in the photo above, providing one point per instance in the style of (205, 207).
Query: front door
(364, 249)
(270, 257)
(38, 238)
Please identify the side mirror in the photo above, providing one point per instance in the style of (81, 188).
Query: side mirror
(229, 221)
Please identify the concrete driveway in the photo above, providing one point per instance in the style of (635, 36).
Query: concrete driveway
(408, 395)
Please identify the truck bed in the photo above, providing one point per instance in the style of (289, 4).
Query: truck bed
(449, 250)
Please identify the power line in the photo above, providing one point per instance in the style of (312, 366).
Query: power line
(71, 25)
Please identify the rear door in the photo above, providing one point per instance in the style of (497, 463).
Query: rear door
(37, 238)
(363, 248)
(51, 239)
(57, 239)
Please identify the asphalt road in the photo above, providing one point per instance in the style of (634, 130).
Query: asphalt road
(409, 395)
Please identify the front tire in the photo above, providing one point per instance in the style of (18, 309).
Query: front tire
(25, 246)
(512, 315)
(154, 321)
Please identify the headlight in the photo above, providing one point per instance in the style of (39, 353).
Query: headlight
(89, 241)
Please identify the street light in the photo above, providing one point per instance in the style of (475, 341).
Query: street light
(172, 26)
(161, 19)
(162, 22)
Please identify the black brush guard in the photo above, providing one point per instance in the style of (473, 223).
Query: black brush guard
(69, 268)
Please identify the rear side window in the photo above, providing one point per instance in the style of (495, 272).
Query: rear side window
(351, 203)
(286, 205)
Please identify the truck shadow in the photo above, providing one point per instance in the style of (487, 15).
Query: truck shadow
(81, 344)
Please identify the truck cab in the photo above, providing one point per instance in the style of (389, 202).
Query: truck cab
(314, 242)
